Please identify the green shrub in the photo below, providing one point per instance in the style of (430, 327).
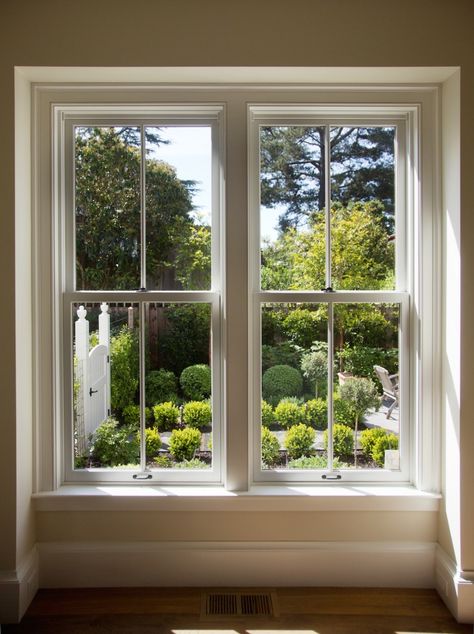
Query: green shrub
(368, 439)
(197, 414)
(152, 441)
(299, 440)
(268, 416)
(301, 326)
(281, 381)
(195, 382)
(184, 443)
(131, 416)
(270, 447)
(317, 413)
(343, 412)
(343, 440)
(288, 413)
(389, 441)
(123, 368)
(360, 360)
(315, 462)
(160, 386)
(113, 445)
(166, 415)
(314, 366)
(284, 353)
(162, 462)
(194, 463)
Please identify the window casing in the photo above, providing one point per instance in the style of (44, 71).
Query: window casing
(421, 250)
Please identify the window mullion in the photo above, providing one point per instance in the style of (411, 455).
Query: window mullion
(142, 305)
(142, 208)
(327, 173)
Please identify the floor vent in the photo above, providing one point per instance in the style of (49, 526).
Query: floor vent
(218, 605)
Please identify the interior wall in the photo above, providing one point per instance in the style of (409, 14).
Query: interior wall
(241, 33)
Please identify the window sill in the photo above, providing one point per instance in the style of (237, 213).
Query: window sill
(258, 498)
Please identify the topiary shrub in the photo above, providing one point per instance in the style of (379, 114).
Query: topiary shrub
(270, 447)
(368, 439)
(299, 440)
(288, 413)
(281, 381)
(197, 414)
(268, 416)
(166, 415)
(360, 394)
(314, 365)
(113, 445)
(131, 416)
(195, 381)
(343, 440)
(160, 386)
(152, 442)
(317, 413)
(315, 462)
(184, 443)
(389, 441)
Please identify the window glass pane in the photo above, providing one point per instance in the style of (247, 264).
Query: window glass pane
(178, 386)
(292, 207)
(106, 386)
(294, 386)
(107, 207)
(363, 208)
(367, 385)
(178, 207)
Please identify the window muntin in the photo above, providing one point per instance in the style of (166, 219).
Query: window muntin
(153, 231)
(314, 253)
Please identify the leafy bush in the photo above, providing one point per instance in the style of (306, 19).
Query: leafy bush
(317, 413)
(288, 413)
(194, 463)
(152, 442)
(160, 386)
(131, 415)
(123, 368)
(389, 441)
(270, 447)
(268, 416)
(301, 326)
(162, 462)
(113, 445)
(184, 443)
(360, 360)
(368, 439)
(315, 462)
(360, 394)
(284, 353)
(166, 415)
(299, 440)
(280, 381)
(343, 411)
(197, 414)
(343, 440)
(195, 382)
(314, 365)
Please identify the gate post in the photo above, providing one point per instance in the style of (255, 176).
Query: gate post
(104, 340)
(81, 349)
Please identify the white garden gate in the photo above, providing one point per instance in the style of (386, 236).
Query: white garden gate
(91, 376)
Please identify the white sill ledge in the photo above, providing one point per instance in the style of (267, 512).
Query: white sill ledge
(258, 498)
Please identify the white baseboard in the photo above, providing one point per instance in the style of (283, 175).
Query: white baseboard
(220, 564)
(18, 588)
(455, 586)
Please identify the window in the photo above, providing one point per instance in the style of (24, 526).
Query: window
(174, 243)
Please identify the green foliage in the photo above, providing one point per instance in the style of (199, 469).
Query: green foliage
(184, 443)
(152, 442)
(360, 360)
(271, 326)
(166, 415)
(193, 259)
(268, 416)
(284, 353)
(270, 447)
(162, 462)
(113, 445)
(185, 339)
(160, 386)
(374, 443)
(197, 414)
(314, 365)
(195, 382)
(288, 413)
(343, 440)
(343, 411)
(360, 394)
(299, 440)
(123, 368)
(131, 416)
(280, 381)
(368, 438)
(301, 326)
(317, 413)
(194, 463)
(315, 462)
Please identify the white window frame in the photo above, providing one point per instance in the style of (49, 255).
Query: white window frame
(424, 235)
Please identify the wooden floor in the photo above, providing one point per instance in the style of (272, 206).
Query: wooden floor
(177, 611)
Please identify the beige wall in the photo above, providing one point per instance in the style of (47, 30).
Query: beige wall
(240, 33)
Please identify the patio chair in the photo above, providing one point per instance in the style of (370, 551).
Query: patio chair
(389, 385)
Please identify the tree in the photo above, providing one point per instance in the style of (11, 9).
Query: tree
(293, 169)
(361, 394)
(314, 365)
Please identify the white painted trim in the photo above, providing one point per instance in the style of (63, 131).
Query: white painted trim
(455, 586)
(18, 588)
(106, 564)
